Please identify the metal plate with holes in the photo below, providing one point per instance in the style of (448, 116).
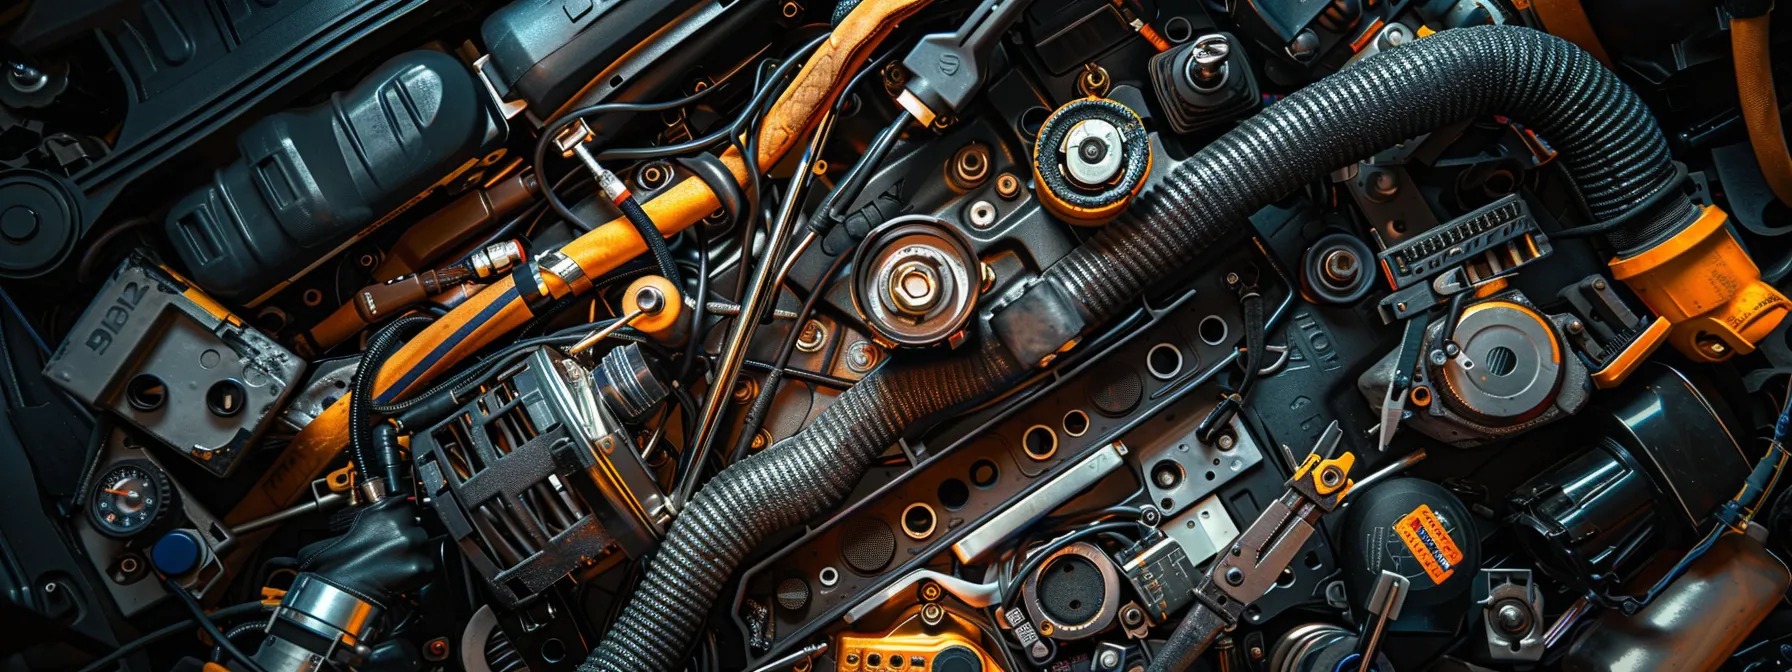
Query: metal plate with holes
(1179, 469)
(974, 467)
(1202, 530)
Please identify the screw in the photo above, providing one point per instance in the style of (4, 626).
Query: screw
(1599, 284)
(1575, 327)
(1383, 186)
(931, 591)
(970, 166)
(863, 356)
(1109, 659)
(1512, 618)
(1256, 652)
(761, 439)
(932, 613)
(813, 336)
(1330, 476)
(1235, 576)
(1046, 628)
(1226, 442)
(1132, 616)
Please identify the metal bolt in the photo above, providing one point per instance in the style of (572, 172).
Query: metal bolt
(1206, 67)
(650, 300)
(813, 336)
(914, 287)
(863, 356)
(1226, 442)
(1046, 628)
(26, 78)
(1109, 659)
(932, 613)
(970, 166)
(1166, 478)
(931, 591)
(1256, 652)
(1575, 327)
(1235, 576)
(1305, 46)
(1132, 616)
(1599, 284)
(1383, 186)
(761, 439)
(1512, 618)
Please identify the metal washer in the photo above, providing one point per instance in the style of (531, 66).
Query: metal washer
(1510, 366)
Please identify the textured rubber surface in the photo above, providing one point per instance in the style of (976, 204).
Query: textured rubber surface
(1608, 140)
(788, 483)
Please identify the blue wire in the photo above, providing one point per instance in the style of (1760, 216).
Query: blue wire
(28, 328)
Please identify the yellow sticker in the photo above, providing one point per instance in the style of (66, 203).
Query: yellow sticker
(1425, 536)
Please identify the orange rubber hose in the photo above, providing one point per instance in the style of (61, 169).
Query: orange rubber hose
(498, 310)
(1760, 105)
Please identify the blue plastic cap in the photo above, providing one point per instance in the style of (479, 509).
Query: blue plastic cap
(176, 553)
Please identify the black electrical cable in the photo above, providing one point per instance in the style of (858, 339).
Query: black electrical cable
(210, 626)
(768, 389)
(175, 628)
(235, 631)
(375, 459)
(853, 183)
(700, 311)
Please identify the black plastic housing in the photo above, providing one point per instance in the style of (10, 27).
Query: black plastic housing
(308, 181)
(545, 51)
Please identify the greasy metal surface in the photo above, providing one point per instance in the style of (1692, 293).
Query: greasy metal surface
(1696, 622)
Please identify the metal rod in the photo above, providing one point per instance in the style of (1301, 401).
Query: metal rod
(791, 658)
(728, 366)
(329, 501)
(1389, 471)
(601, 334)
(727, 309)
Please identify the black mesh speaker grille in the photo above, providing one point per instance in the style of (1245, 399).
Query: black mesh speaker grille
(1119, 396)
(793, 594)
(1070, 590)
(867, 545)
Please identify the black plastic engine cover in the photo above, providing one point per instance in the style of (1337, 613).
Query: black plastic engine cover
(308, 181)
(544, 51)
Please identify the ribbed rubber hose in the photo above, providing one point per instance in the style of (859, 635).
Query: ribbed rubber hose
(1611, 145)
(1760, 104)
(783, 486)
(1609, 142)
(656, 243)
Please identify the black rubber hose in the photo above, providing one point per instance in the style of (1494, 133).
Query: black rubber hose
(1612, 147)
(782, 486)
(374, 458)
(656, 241)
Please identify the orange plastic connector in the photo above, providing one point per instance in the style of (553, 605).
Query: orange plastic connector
(1707, 288)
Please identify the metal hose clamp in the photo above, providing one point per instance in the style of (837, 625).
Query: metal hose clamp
(318, 622)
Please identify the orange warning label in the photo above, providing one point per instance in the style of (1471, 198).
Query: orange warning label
(1425, 536)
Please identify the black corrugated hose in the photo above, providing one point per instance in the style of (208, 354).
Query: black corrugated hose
(1610, 144)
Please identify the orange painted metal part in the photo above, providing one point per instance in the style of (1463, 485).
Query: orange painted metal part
(497, 310)
(1708, 289)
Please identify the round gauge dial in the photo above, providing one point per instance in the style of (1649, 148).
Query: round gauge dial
(129, 499)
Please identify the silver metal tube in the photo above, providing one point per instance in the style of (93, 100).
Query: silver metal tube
(752, 305)
(1389, 471)
(326, 502)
